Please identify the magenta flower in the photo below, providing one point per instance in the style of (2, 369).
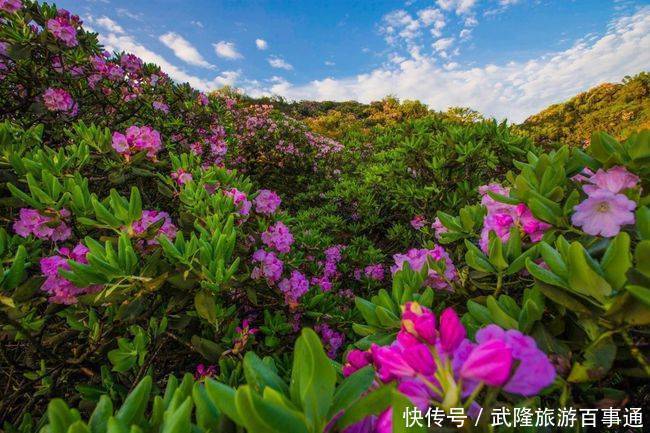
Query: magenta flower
(420, 322)
(418, 222)
(203, 371)
(294, 287)
(267, 202)
(63, 30)
(356, 360)
(374, 272)
(438, 228)
(160, 106)
(452, 331)
(61, 290)
(137, 139)
(278, 237)
(417, 258)
(332, 339)
(131, 63)
(489, 362)
(11, 5)
(59, 100)
(614, 180)
(54, 228)
(181, 176)
(270, 266)
(150, 217)
(603, 213)
(240, 200)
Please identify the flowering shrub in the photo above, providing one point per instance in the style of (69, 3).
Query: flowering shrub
(150, 229)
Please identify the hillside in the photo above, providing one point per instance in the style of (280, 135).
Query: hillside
(619, 109)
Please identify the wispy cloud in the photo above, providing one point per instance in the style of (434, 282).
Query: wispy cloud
(227, 50)
(261, 44)
(514, 90)
(279, 63)
(184, 50)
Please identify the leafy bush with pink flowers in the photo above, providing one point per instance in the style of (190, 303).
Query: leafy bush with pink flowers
(298, 283)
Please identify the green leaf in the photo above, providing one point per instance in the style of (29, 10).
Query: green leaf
(103, 411)
(207, 413)
(641, 293)
(372, 404)
(643, 222)
(617, 260)
(223, 397)
(135, 404)
(351, 389)
(179, 421)
(499, 316)
(544, 275)
(582, 278)
(264, 417)
(60, 417)
(259, 375)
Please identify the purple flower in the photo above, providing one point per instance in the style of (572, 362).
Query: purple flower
(614, 180)
(332, 339)
(438, 228)
(181, 176)
(418, 222)
(131, 63)
(270, 266)
(10, 5)
(137, 139)
(59, 100)
(294, 287)
(489, 362)
(54, 228)
(278, 237)
(417, 258)
(63, 30)
(203, 372)
(267, 202)
(603, 213)
(240, 200)
(150, 217)
(61, 290)
(374, 272)
(160, 106)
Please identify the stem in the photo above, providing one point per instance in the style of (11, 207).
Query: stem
(636, 353)
(499, 284)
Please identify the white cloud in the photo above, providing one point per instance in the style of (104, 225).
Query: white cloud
(184, 50)
(465, 33)
(115, 42)
(432, 17)
(227, 50)
(514, 90)
(400, 23)
(279, 63)
(198, 24)
(459, 6)
(329, 63)
(442, 44)
(104, 22)
(261, 44)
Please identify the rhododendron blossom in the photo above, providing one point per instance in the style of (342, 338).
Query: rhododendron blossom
(374, 272)
(11, 5)
(59, 100)
(131, 63)
(160, 106)
(417, 258)
(266, 202)
(240, 200)
(278, 237)
(150, 217)
(332, 340)
(438, 228)
(137, 139)
(614, 180)
(63, 30)
(181, 176)
(52, 227)
(294, 287)
(604, 213)
(269, 266)
(418, 222)
(61, 290)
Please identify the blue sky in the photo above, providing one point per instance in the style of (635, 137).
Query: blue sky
(507, 58)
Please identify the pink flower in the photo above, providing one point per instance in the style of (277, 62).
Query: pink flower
(614, 180)
(374, 272)
(489, 362)
(240, 200)
(61, 290)
(452, 331)
(278, 237)
(63, 30)
(417, 258)
(59, 100)
(533, 227)
(160, 106)
(270, 266)
(418, 222)
(150, 217)
(492, 205)
(267, 202)
(137, 139)
(438, 228)
(603, 213)
(203, 372)
(54, 228)
(420, 322)
(10, 5)
(294, 287)
(131, 63)
(181, 176)
(356, 360)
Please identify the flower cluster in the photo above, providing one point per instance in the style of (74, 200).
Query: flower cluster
(501, 217)
(278, 237)
(294, 287)
(150, 217)
(439, 366)
(131, 63)
(240, 200)
(417, 258)
(59, 100)
(267, 202)
(269, 266)
(181, 176)
(332, 340)
(11, 5)
(61, 290)
(606, 209)
(62, 27)
(137, 139)
(50, 226)
(330, 270)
